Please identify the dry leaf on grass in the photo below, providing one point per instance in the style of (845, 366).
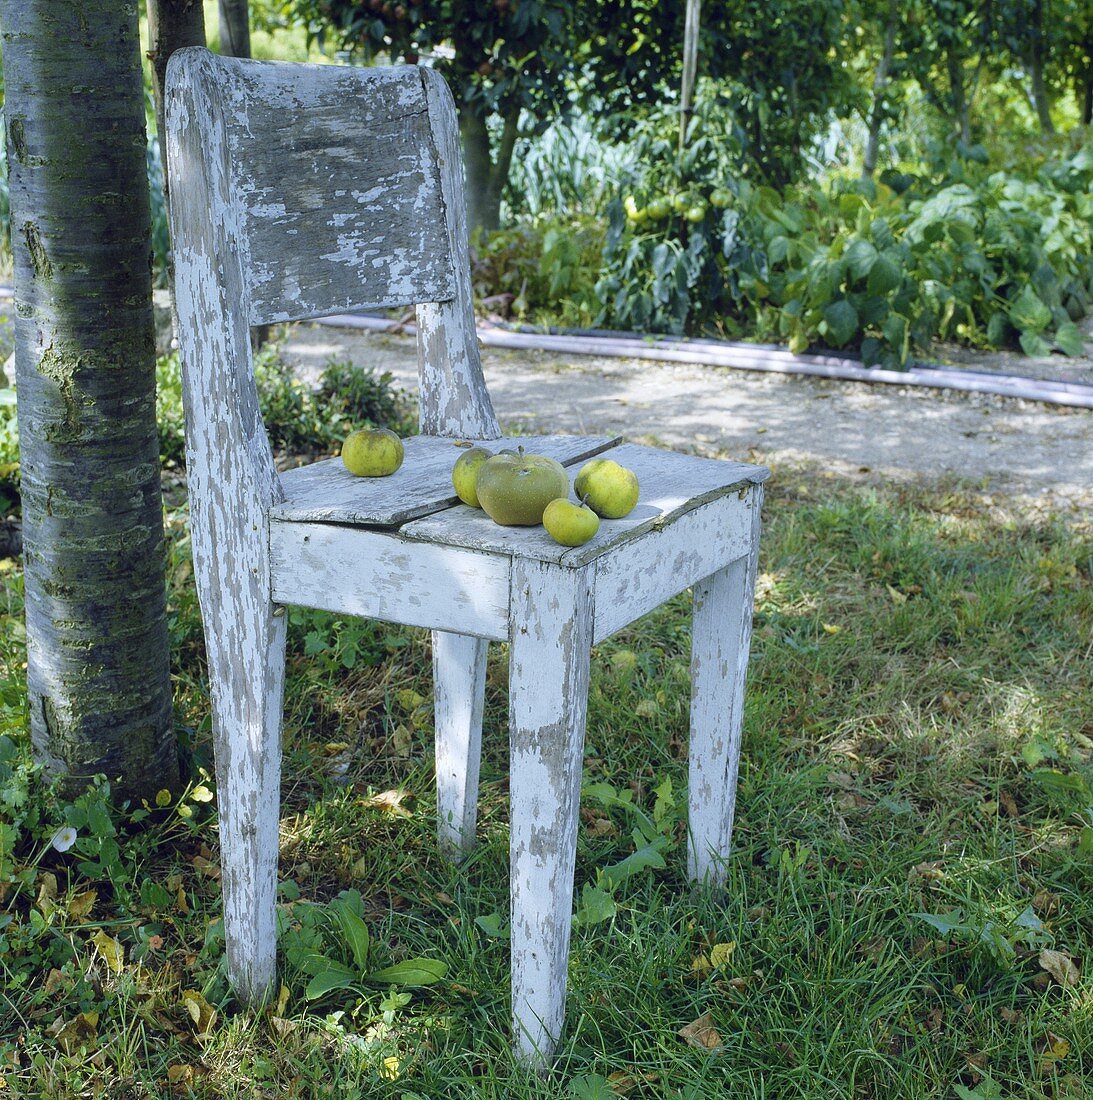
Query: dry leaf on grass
(200, 1011)
(110, 949)
(701, 1034)
(79, 908)
(1060, 966)
(80, 1031)
(388, 802)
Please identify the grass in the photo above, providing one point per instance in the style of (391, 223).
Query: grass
(918, 740)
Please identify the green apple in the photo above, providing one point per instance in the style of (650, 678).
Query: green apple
(609, 489)
(514, 489)
(570, 524)
(372, 452)
(465, 474)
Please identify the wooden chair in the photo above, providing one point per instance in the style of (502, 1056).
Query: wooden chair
(303, 190)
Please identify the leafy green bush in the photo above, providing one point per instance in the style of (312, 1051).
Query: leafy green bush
(548, 265)
(993, 259)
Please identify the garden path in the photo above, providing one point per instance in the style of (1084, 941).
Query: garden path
(1040, 452)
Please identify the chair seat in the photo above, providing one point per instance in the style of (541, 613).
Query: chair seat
(326, 492)
(418, 499)
(672, 485)
(399, 549)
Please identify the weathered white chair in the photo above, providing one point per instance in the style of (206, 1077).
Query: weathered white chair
(303, 190)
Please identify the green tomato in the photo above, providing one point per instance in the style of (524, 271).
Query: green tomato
(659, 209)
(680, 202)
(696, 213)
(720, 197)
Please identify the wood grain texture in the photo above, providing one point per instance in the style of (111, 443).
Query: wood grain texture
(454, 399)
(671, 484)
(643, 572)
(548, 691)
(379, 575)
(459, 681)
(232, 484)
(327, 492)
(337, 174)
(721, 637)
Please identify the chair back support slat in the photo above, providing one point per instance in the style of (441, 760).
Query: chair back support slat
(343, 208)
(307, 190)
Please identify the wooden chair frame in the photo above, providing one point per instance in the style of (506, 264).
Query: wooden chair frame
(301, 190)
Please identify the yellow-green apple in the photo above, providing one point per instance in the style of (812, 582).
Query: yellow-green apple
(372, 452)
(609, 489)
(514, 489)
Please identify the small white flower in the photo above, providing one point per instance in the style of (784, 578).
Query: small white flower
(64, 838)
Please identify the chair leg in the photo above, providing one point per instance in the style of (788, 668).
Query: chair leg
(551, 634)
(245, 640)
(721, 636)
(459, 683)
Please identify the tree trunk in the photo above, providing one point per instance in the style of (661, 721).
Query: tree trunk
(97, 654)
(957, 96)
(235, 28)
(172, 24)
(1041, 99)
(486, 177)
(880, 90)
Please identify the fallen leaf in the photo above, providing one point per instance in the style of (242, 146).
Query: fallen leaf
(897, 596)
(80, 1031)
(1055, 1049)
(930, 870)
(282, 1026)
(700, 965)
(47, 893)
(401, 740)
(701, 1033)
(79, 908)
(389, 802)
(55, 981)
(1009, 805)
(830, 628)
(390, 1069)
(111, 950)
(206, 867)
(1060, 966)
(180, 1075)
(200, 1011)
(1010, 1015)
(720, 954)
(622, 1082)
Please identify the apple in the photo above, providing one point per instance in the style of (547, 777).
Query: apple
(609, 489)
(570, 524)
(514, 489)
(372, 452)
(465, 474)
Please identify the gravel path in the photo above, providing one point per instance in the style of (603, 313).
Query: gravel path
(1003, 445)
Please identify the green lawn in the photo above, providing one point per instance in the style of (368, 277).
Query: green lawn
(919, 734)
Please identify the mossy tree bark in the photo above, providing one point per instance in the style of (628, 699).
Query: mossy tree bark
(97, 652)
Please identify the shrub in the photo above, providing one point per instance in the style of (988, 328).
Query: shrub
(548, 265)
(993, 259)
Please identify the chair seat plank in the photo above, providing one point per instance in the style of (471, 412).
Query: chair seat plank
(672, 484)
(326, 492)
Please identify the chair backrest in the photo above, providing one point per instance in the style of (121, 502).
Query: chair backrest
(303, 190)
